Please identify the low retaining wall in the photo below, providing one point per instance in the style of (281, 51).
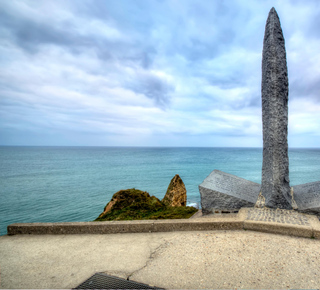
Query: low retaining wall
(141, 226)
(240, 221)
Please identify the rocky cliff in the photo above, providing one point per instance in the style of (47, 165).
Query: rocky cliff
(135, 204)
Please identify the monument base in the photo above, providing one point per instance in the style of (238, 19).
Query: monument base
(226, 193)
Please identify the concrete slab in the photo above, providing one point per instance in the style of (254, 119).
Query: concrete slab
(64, 261)
(201, 259)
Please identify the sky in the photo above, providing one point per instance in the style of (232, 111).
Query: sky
(151, 72)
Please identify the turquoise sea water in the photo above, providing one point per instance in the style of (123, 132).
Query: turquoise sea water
(55, 184)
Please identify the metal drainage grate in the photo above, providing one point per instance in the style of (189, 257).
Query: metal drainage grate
(104, 281)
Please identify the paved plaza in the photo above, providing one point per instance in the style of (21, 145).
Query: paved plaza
(281, 251)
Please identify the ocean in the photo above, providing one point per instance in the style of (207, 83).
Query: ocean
(59, 184)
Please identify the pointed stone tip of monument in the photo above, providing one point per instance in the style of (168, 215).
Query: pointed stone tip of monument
(273, 11)
(274, 16)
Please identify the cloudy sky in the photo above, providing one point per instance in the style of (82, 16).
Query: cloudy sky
(151, 73)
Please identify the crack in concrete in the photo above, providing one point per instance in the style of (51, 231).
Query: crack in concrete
(152, 255)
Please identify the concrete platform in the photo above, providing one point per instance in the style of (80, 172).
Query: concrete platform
(172, 256)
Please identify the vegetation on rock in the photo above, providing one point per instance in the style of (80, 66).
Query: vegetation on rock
(134, 204)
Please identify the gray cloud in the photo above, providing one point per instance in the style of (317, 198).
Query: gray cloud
(29, 34)
(306, 90)
(153, 87)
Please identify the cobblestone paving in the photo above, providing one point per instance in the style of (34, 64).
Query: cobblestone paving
(277, 215)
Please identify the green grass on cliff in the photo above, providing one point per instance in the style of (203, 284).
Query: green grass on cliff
(139, 205)
(145, 214)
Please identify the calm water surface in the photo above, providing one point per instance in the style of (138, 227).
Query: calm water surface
(55, 184)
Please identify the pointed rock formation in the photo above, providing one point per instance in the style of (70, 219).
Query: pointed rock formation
(176, 194)
(275, 186)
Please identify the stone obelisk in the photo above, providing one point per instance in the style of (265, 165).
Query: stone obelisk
(275, 188)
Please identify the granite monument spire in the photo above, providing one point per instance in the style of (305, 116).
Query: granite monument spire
(275, 186)
(223, 192)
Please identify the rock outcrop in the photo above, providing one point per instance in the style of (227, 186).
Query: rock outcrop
(131, 199)
(176, 194)
(134, 204)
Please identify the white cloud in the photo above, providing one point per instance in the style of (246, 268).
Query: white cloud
(166, 73)
(304, 117)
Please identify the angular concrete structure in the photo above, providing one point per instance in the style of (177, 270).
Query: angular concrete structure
(275, 186)
(221, 191)
(307, 197)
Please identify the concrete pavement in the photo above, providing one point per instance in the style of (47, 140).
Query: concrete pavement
(176, 259)
(204, 259)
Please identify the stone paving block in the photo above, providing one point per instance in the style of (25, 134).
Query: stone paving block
(280, 221)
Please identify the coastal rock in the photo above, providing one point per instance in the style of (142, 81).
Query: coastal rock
(134, 204)
(176, 194)
(307, 197)
(133, 198)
